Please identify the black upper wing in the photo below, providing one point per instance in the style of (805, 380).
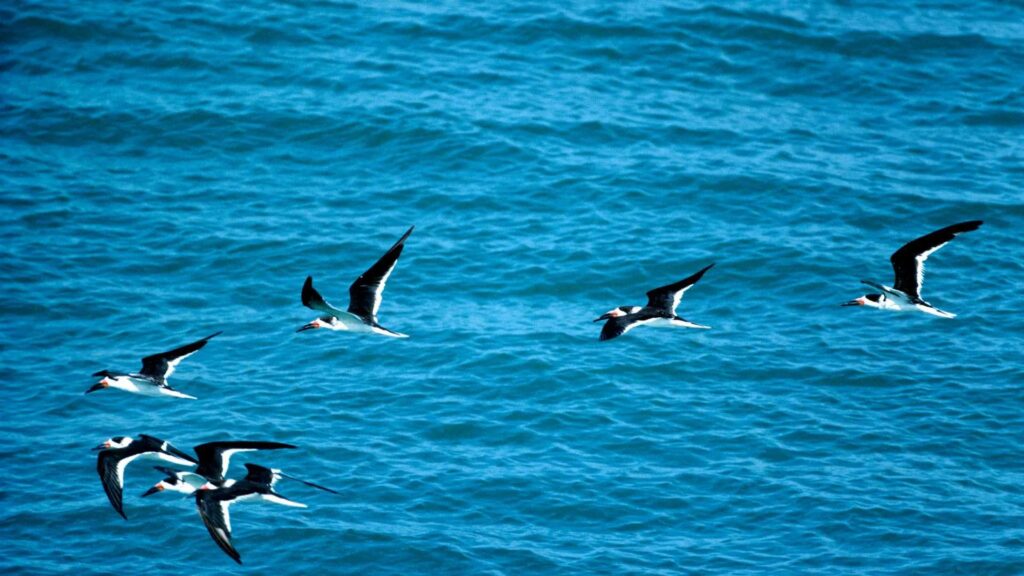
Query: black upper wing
(259, 475)
(161, 366)
(312, 299)
(668, 297)
(214, 457)
(213, 509)
(908, 261)
(154, 444)
(112, 475)
(615, 327)
(365, 293)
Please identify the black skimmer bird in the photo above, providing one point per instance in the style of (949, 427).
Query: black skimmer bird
(214, 458)
(364, 296)
(214, 502)
(659, 311)
(908, 264)
(117, 452)
(151, 380)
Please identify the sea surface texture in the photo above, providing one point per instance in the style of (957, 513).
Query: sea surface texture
(168, 170)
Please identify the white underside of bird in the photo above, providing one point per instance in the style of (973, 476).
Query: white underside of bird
(348, 322)
(143, 386)
(897, 301)
(674, 323)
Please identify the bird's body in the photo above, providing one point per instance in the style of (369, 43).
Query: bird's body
(180, 481)
(908, 266)
(140, 384)
(365, 295)
(340, 320)
(151, 380)
(660, 310)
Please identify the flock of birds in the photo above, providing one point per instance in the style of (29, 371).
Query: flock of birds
(214, 493)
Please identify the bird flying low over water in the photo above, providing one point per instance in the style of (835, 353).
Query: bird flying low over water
(117, 452)
(214, 458)
(364, 297)
(151, 380)
(214, 503)
(659, 311)
(908, 264)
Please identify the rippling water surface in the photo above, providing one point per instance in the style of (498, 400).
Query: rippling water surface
(172, 169)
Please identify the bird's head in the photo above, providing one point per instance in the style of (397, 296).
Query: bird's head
(106, 382)
(170, 484)
(318, 323)
(114, 443)
(616, 312)
(207, 486)
(870, 300)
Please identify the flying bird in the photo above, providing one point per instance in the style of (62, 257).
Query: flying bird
(116, 453)
(214, 503)
(659, 311)
(151, 380)
(364, 297)
(908, 264)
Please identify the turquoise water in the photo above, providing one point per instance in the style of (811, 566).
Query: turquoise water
(170, 170)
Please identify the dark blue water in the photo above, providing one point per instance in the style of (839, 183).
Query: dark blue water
(172, 169)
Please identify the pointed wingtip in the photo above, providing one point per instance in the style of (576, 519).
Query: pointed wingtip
(309, 294)
(961, 227)
(215, 334)
(405, 236)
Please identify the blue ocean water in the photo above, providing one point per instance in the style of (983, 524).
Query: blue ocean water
(172, 169)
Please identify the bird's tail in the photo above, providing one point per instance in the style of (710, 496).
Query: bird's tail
(385, 332)
(936, 312)
(175, 394)
(680, 321)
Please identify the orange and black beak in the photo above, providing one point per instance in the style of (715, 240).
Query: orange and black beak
(857, 302)
(310, 326)
(158, 487)
(603, 317)
(105, 383)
